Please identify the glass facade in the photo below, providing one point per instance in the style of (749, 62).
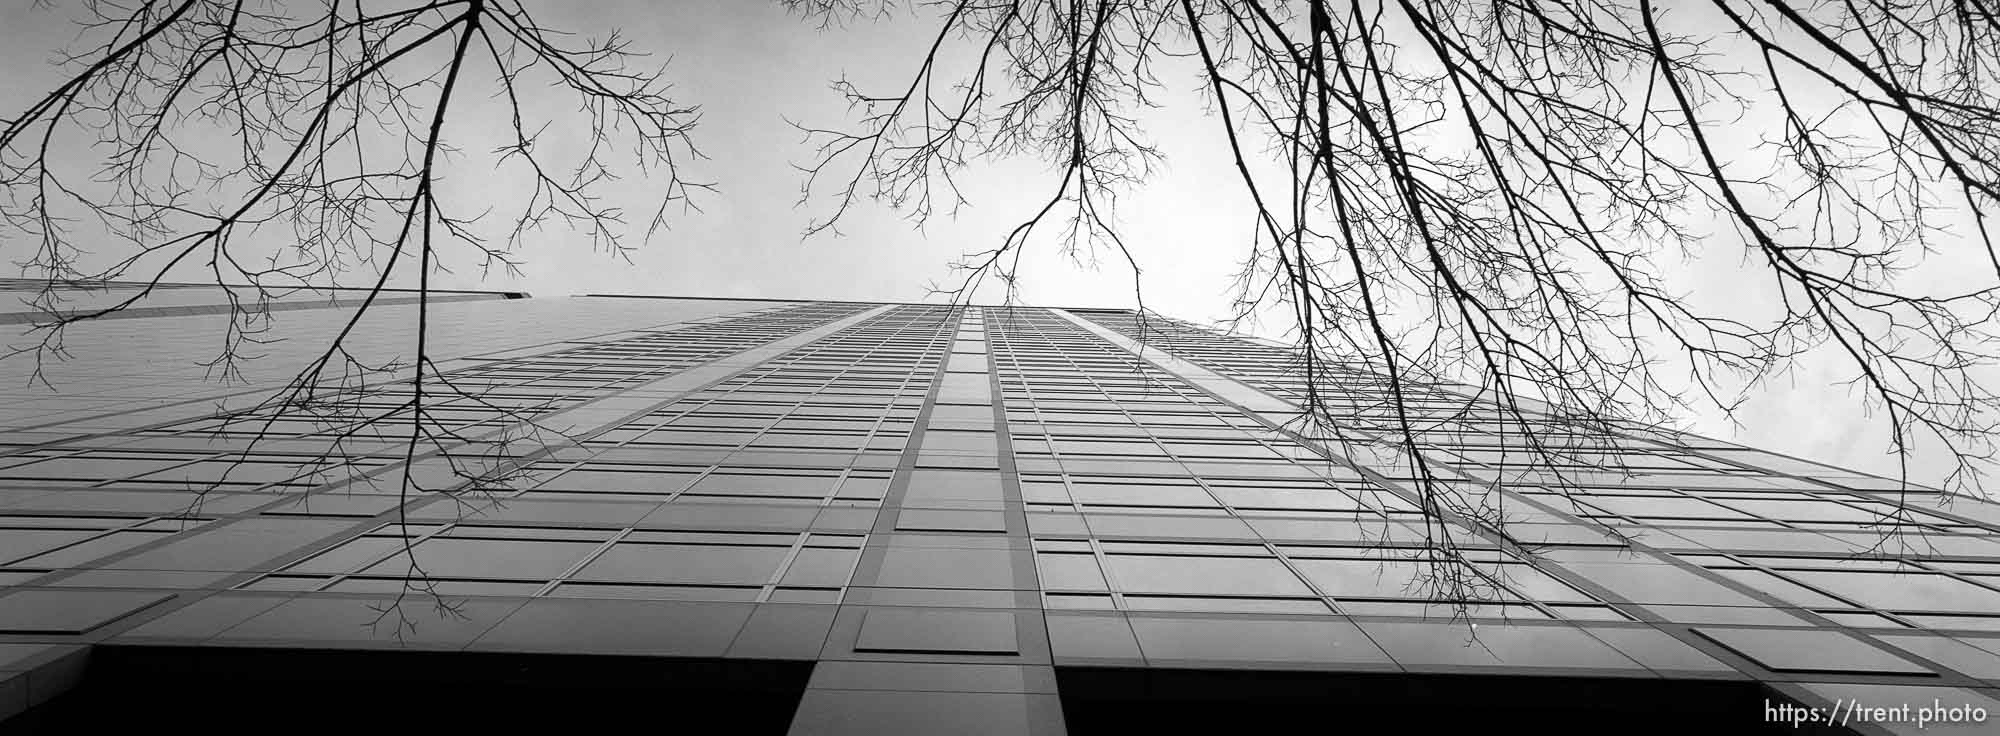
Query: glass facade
(883, 518)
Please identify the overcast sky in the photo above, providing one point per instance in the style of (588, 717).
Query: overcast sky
(750, 67)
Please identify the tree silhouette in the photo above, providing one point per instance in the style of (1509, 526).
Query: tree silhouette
(1441, 194)
(1493, 195)
(192, 134)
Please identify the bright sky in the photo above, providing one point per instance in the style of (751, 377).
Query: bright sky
(750, 67)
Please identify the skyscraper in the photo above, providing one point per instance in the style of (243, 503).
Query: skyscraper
(818, 517)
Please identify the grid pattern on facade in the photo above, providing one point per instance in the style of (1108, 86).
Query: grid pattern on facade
(1716, 539)
(946, 508)
(191, 472)
(1179, 501)
(207, 452)
(733, 464)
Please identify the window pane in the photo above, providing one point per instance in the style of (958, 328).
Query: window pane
(1918, 591)
(1070, 571)
(821, 567)
(516, 559)
(1372, 578)
(1204, 575)
(685, 563)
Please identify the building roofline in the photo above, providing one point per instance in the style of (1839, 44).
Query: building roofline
(16, 281)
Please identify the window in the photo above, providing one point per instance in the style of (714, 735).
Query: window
(1657, 507)
(1105, 447)
(1069, 571)
(1376, 578)
(69, 541)
(1321, 499)
(517, 559)
(978, 443)
(1134, 494)
(962, 414)
(821, 567)
(954, 485)
(764, 484)
(1913, 590)
(697, 564)
(1229, 604)
(620, 480)
(1223, 450)
(1189, 575)
(864, 486)
(1801, 510)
